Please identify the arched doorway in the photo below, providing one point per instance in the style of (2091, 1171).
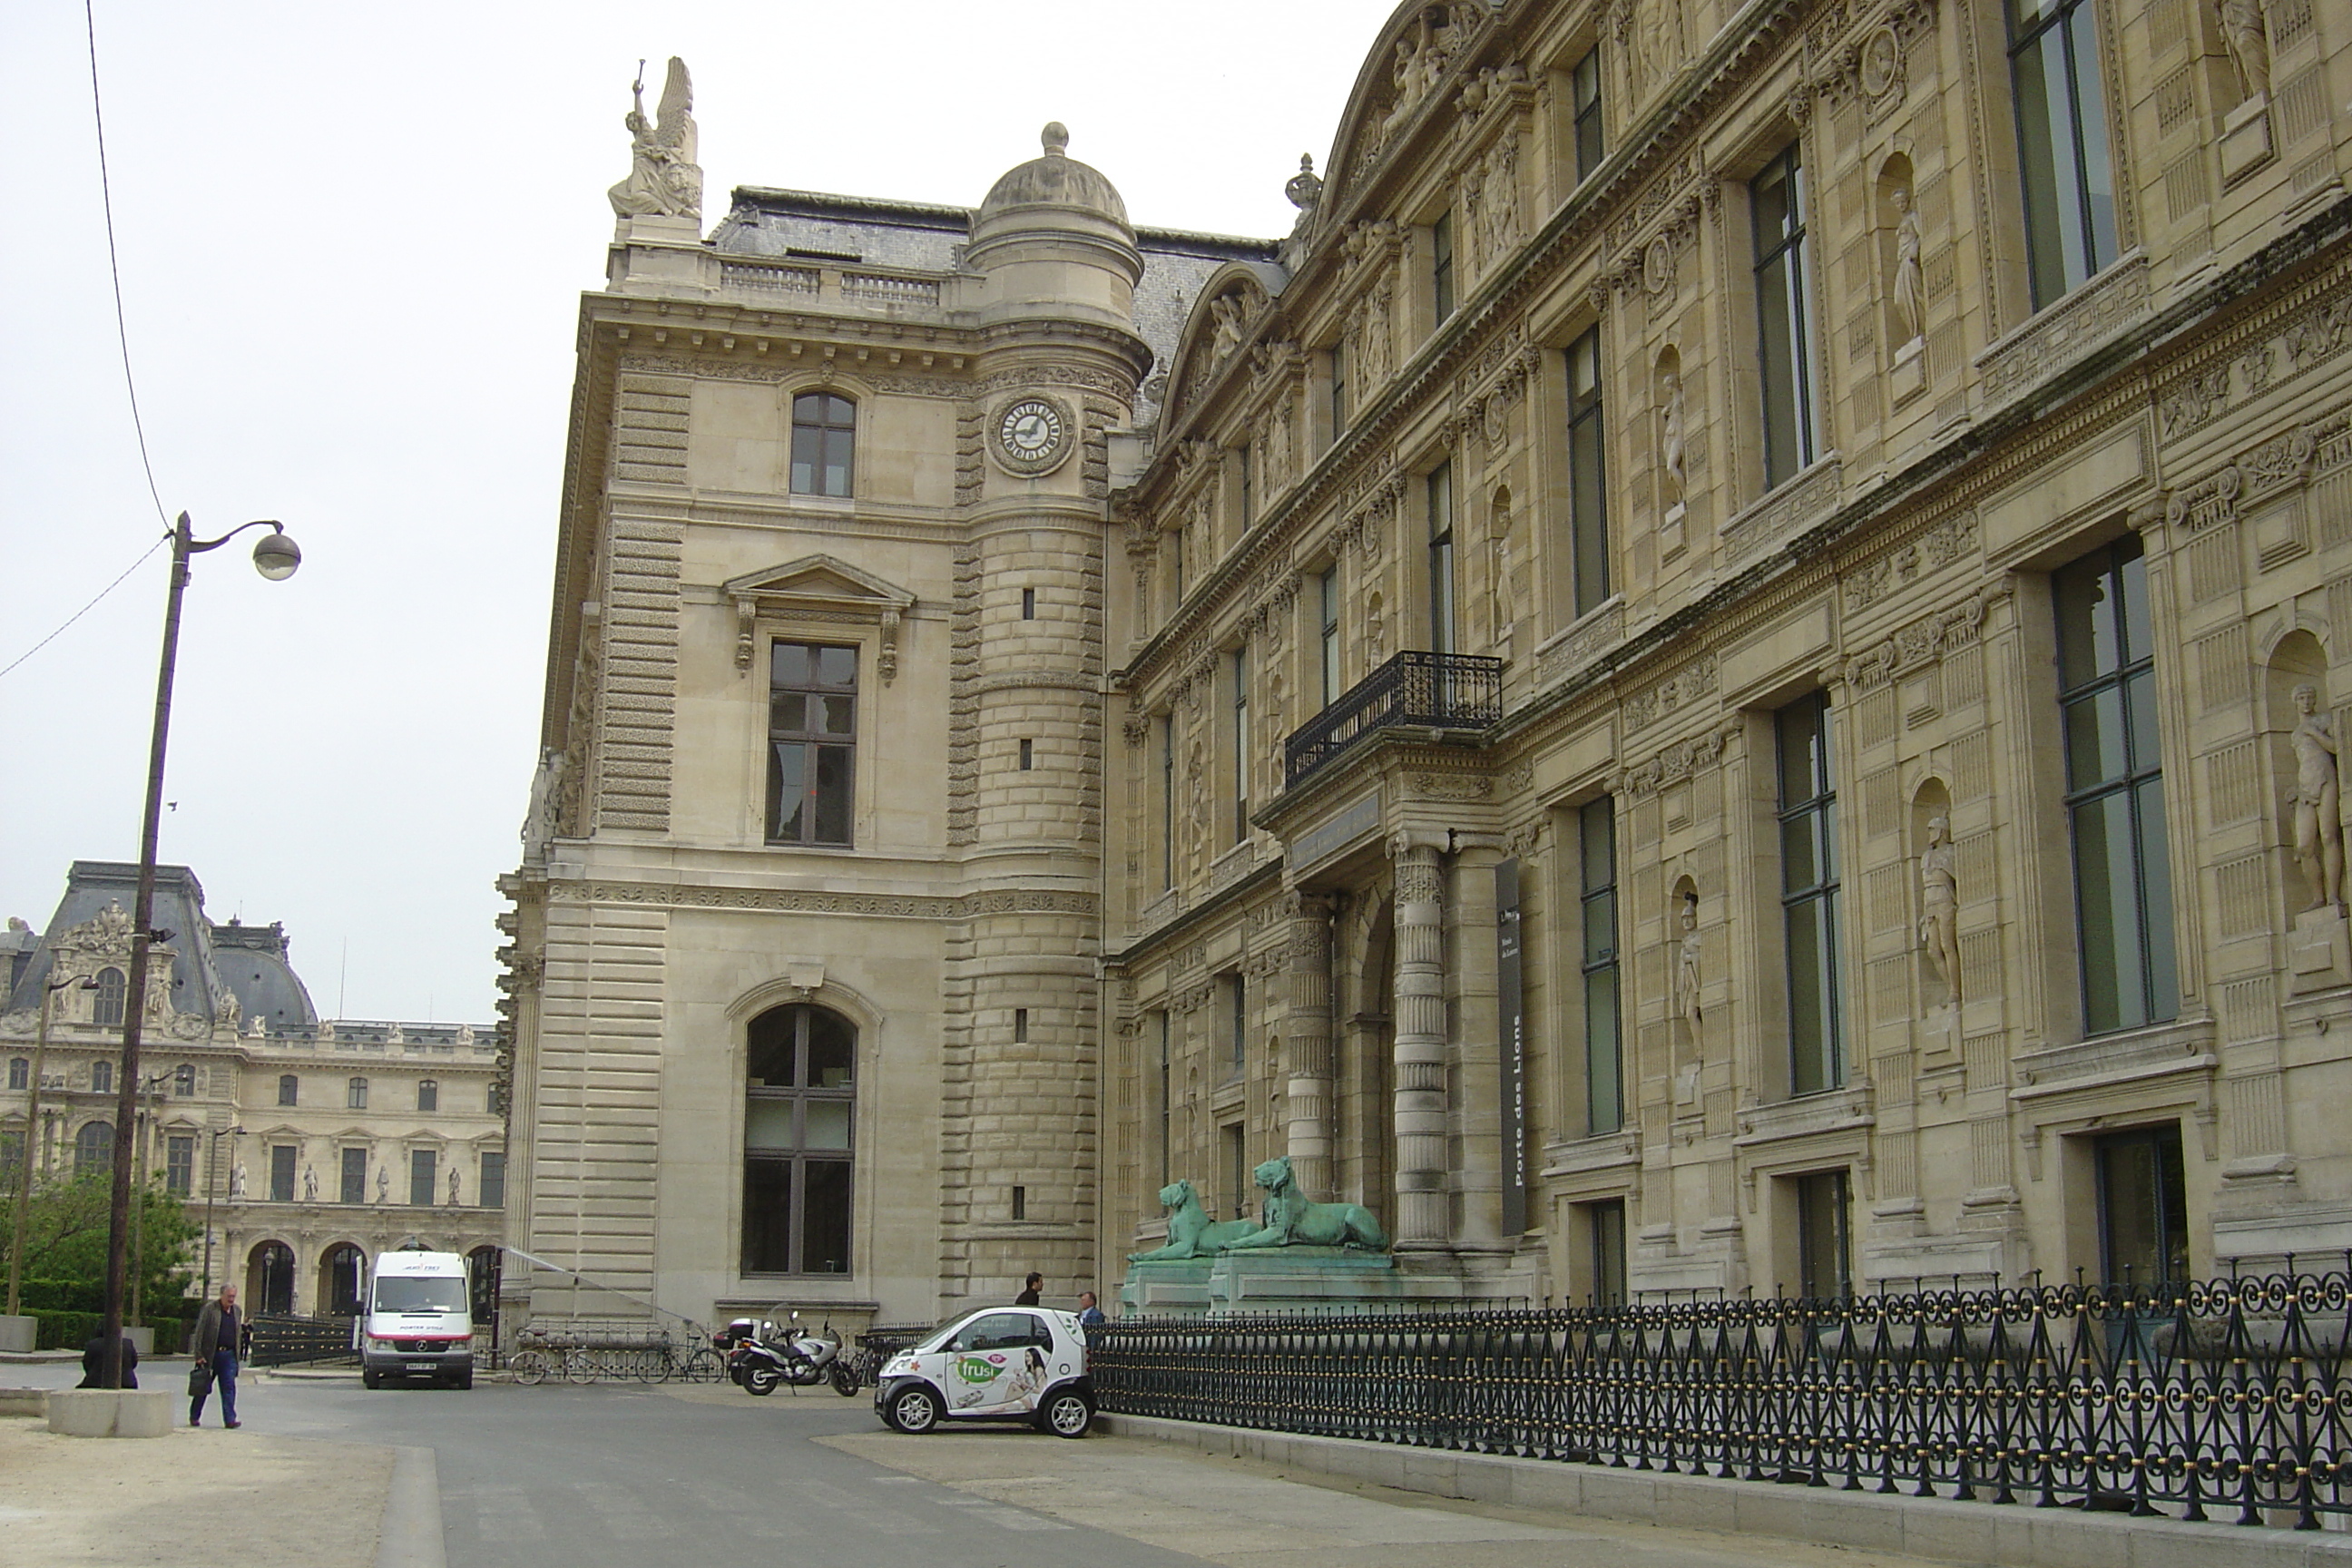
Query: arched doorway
(269, 1279)
(1363, 1028)
(342, 1281)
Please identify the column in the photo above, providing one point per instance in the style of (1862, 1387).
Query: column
(1306, 1044)
(1419, 1089)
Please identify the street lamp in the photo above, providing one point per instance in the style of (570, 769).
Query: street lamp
(32, 1130)
(212, 1182)
(275, 557)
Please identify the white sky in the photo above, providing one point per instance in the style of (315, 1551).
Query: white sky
(353, 244)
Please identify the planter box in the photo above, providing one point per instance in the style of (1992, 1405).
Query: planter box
(16, 1334)
(111, 1413)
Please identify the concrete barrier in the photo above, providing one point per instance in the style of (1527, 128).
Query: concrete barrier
(111, 1413)
(18, 1334)
(33, 1401)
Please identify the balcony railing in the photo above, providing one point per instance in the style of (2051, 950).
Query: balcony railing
(1432, 691)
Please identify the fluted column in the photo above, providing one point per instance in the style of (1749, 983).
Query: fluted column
(1306, 1044)
(1420, 1089)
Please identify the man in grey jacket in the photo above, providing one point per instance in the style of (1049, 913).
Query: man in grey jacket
(215, 1346)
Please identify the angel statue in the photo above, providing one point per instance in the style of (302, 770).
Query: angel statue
(664, 180)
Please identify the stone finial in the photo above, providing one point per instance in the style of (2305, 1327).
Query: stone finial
(1057, 139)
(1304, 187)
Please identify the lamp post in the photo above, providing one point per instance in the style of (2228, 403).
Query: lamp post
(276, 558)
(32, 1132)
(212, 1182)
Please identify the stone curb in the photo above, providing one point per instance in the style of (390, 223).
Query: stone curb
(1936, 1528)
(411, 1533)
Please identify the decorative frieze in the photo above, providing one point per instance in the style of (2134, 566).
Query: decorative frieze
(1674, 765)
(1919, 644)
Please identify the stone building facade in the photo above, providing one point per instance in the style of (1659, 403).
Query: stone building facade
(305, 1146)
(1718, 675)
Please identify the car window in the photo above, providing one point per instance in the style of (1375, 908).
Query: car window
(996, 1332)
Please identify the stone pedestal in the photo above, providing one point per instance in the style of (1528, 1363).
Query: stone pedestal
(16, 1334)
(2319, 953)
(2245, 139)
(1277, 1279)
(1671, 539)
(111, 1413)
(142, 1340)
(1907, 376)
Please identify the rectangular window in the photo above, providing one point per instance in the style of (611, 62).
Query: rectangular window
(1028, 604)
(180, 1165)
(812, 743)
(2114, 790)
(1327, 592)
(798, 1118)
(1604, 1062)
(1240, 741)
(1020, 1202)
(1176, 563)
(1168, 800)
(2064, 158)
(825, 430)
(1809, 891)
(1608, 1221)
(1824, 1252)
(281, 1172)
(1249, 486)
(354, 1095)
(1588, 489)
(428, 1095)
(1028, 755)
(1338, 389)
(1020, 1025)
(420, 1163)
(1236, 1025)
(102, 1078)
(2143, 1207)
(1777, 202)
(1237, 1172)
(1585, 81)
(1439, 485)
(1440, 264)
(1167, 1110)
(290, 1089)
(491, 1191)
(353, 1186)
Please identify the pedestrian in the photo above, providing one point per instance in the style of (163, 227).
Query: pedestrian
(93, 1362)
(215, 1348)
(1088, 1313)
(1028, 1296)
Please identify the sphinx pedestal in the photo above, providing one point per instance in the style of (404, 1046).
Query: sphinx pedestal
(1274, 1279)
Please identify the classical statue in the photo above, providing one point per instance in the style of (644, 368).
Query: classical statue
(453, 1186)
(1686, 974)
(382, 1184)
(2318, 814)
(664, 180)
(236, 1180)
(1671, 426)
(1910, 303)
(1939, 905)
(2244, 30)
(309, 1183)
(1190, 1232)
(1225, 314)
(1660, 38)
(1292, 1221)
(546, 792)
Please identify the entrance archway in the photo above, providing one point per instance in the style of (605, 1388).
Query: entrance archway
(342, 1281)
(269, 1279)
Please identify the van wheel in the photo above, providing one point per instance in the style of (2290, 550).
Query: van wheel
(371, 1379)
(915, 1411)
(463, 1380)
(1067, 1414)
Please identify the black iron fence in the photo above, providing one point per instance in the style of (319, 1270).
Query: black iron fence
(2225, 1398)
(282, 1339)
(1439, 690)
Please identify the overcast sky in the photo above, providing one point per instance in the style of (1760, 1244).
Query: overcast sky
(352, 243)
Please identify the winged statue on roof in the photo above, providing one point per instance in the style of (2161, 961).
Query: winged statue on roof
(664, 180)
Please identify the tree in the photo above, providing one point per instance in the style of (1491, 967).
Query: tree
(64, 1238)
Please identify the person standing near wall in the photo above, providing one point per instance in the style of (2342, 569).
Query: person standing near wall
(1028, 1296)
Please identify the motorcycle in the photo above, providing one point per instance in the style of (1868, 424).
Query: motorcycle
(766, 1355)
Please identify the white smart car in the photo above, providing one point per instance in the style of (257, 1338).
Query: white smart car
(1000, 1364)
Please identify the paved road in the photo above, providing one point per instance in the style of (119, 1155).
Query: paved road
(631, 1477)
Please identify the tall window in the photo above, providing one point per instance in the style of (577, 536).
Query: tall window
(184, 1079)
(2143, 1207)
(180, 1164)
(353, 1186)
(1824, 1249)
(1809, 890)
(490, 1192)
(1236, 990)
(1338, 388)
(102, 1078)
(1168, 800)
(106, 1006)
(1608, 1221)
(2115, 791)
(825, 430)
(799, 1101)
(1176, 561)
(20, 1073)
(1777, 200)
(281, 1172)
(1441, 558)
(1240, 741)
(2061, 144)
(290, 1089)
(812, 743)
(428, 1095)
(1588, 489)
(1167, 1111)
(94, 1149)
(1326, 596)
(354, 1094)
(1237, 1172)
(1604, 1065)
(1249, 485)
(422, 1163)
(1440, 264)
(1586, 80)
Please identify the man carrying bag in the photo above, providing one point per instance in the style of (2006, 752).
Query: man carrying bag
(215, 1349)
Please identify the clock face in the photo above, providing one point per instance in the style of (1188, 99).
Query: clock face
(1031, 434)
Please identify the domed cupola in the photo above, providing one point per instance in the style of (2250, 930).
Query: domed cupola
(1053, 239)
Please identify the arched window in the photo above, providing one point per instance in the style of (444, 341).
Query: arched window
(290, 1089)
(184, 1079)
(355, 1095)
(269, 1279)
(20, 1073)
(799, 1102)
(106, 1007)
(102, 1078)
(94, 1149)
(343, 1277)
(824, 429)
(428, 1095)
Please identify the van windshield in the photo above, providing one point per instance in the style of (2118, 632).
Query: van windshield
(414, 1294)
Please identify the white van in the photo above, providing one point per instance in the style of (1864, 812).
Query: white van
(419, 1321)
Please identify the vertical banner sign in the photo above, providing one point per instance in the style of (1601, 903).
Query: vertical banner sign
(1511, 1015)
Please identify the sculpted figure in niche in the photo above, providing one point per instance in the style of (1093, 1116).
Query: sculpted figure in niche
(1910, 303)
(664, 180)
(453, 1186)
(2318, 814)
(382, 1182)
(2242, 29)
(1671, 426)
(1661, 42)
(1939, 905)
(1686, 976)
(1225, 313)
(309, 1183)
(236, 1180)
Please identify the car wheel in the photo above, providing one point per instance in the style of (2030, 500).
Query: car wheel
(463, 1380)
(1066, 1415)
(371, 1379)
(915, 1411)
(844, 1381)
(761, 1381)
